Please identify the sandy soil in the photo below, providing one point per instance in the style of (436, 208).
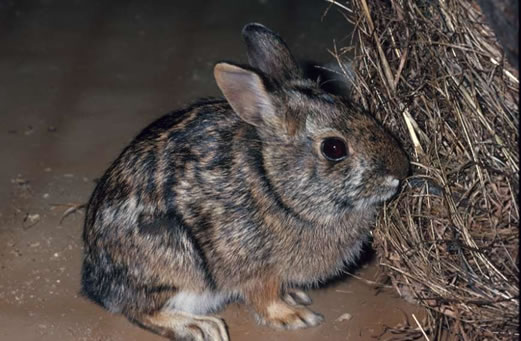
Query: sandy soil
(78, 80)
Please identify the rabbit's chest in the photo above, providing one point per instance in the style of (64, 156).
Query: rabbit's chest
(318, 256)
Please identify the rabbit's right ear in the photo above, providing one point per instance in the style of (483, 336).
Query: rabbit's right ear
(246, 93)
(268, 53)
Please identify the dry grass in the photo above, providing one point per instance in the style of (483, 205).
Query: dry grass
(434, 74)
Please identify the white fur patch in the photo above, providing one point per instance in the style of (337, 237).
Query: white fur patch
(198, 303)
(393, 182)
(388, 188)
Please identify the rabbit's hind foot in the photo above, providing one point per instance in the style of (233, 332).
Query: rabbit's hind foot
(184, 326)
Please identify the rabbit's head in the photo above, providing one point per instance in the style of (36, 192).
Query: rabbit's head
(320, 154)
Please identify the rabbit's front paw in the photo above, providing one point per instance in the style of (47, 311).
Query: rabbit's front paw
(282, 316)
(296, 297)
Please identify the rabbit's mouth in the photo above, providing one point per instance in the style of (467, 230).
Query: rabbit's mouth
(388, 189)
(385, 191)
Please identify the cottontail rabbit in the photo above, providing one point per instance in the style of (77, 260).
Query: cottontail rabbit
(247, 198)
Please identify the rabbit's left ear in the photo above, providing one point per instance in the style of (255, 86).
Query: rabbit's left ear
(246, 93)
(268, 53)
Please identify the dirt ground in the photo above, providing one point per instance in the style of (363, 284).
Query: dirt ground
(78, 79)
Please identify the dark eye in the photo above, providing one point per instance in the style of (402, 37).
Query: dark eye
(334, 149)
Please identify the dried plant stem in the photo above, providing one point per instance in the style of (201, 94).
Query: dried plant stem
(433, 73)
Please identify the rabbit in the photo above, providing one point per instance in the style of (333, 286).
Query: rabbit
(250, 198)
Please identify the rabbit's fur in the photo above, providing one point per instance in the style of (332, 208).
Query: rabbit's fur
(234, 200)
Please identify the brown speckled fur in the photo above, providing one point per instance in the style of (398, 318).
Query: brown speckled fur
(234, 198)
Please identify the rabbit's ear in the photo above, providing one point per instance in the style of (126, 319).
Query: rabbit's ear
(245, 92)
(268, 53)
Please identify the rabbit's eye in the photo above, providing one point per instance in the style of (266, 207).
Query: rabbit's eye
(334, 149)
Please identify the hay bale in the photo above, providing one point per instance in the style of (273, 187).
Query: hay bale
(432, 72)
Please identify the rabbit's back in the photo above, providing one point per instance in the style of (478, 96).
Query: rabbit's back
(138, 227)
(170, 151)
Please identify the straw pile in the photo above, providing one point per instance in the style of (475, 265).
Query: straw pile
(433, 73)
